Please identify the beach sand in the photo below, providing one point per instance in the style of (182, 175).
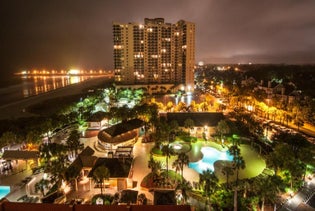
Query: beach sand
(18, 109)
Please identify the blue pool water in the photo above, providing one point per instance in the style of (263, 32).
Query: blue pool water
(210, 155)
(4, 190)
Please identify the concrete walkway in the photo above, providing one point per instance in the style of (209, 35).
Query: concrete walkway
(300, 199)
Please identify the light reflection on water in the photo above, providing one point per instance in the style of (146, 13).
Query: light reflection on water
(35, 85)
(41, 84)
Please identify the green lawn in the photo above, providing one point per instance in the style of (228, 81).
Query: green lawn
(255, 164)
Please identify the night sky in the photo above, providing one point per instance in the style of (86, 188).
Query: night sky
(60, 34)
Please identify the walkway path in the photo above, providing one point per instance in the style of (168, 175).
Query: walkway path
(300, 199)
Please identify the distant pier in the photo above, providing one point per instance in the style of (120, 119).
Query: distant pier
(71, 72)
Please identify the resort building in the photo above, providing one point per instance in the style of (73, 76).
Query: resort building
(119, 171)
(154, 53)
(199, 122)
(98, 120)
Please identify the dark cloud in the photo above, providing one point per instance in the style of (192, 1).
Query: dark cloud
(64, 33)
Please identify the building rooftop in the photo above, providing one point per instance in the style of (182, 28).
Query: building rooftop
(200, 119)
(124, 127)
(118, 167)
(20, 155)
(120, 132)
(17, 206)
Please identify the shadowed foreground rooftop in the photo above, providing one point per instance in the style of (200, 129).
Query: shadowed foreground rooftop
(15, 206)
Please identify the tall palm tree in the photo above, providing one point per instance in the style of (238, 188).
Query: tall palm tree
(167, 151)
(176, 165)
(238, 163)
(73, 142)
(268, 188)
(183, 161)
(209, 183)
(222, 128)
(184, 187)
(155, 167)
(100, 174)
(57, 168)
(275, 159)
(227, 171)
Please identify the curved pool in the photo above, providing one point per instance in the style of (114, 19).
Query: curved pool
(4, 190)
(210, 155)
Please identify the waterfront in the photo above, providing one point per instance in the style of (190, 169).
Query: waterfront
(16, 108)
(35, 85)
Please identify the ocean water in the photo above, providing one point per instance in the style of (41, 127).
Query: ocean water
(24, 87)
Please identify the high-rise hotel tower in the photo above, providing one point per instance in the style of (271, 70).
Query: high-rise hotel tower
(154, 53)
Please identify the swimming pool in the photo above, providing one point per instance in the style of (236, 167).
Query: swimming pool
(4, 190)
(210, 155)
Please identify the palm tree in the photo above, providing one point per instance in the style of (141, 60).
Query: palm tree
(296, 142)
(228, 171)
(100, 174)
(33, 137)
(189, 124)
(222, 128)
(167, 151)
(183, 161)
(41, 186)
(57, 168)
(268, 188)
(209, 183)
(155, 167)
(176, 165)
(275, 159)
(73, 142)
(46, 127)
(7, 138)
(238, 163)
(184, 187)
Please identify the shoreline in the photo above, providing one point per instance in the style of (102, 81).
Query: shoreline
(17, 109)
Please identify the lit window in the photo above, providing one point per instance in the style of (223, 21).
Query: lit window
(118, 47)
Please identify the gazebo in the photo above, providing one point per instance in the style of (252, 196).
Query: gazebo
(122, 134)
(21, 155)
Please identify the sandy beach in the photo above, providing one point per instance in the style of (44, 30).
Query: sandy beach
(17, 109)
